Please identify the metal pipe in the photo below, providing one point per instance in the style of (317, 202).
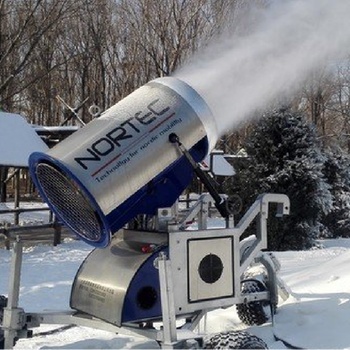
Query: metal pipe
(220, 202)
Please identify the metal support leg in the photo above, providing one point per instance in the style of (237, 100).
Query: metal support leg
(267, 262)
(13, 318)
(167, 301)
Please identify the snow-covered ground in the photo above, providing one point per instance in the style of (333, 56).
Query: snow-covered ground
(315, 316)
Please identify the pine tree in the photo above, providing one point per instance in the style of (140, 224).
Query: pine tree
(337, 173)
(285, 157)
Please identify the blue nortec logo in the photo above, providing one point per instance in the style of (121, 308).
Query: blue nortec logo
(114, 139)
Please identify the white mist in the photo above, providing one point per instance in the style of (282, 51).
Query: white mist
(292, 39)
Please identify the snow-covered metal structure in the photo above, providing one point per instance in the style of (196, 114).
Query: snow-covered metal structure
(17, 140)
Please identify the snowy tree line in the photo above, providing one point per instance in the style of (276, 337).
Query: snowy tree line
(105, 49)
(96, 49)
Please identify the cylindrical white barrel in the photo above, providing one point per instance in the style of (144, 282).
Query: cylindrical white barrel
(122, 164)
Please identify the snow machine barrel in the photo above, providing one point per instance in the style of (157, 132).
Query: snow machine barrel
(122, 164)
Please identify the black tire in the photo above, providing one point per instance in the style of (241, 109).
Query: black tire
(253, 313)
(2, 340)
(3, 303)
(235, 340)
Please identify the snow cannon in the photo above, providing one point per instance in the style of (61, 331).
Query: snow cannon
(122, 164)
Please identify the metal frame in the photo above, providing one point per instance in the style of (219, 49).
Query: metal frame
(16, 322)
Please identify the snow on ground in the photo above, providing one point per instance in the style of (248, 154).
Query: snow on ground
(315, 316)
(317, 313)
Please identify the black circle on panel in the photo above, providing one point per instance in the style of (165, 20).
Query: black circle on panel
(210, 268)
(146, 297)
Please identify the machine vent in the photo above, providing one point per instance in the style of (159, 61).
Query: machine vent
(210, 268)
(69, 202)
(147, 297)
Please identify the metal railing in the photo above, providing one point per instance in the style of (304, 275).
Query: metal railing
(51, 232)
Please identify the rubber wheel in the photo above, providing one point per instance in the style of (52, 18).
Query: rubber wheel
(235, 340)
(3, 303)
(253, 313)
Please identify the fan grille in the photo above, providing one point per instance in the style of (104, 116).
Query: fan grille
(69, 202)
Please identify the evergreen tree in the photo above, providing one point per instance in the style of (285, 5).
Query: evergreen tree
(337, 173)
(285, 157)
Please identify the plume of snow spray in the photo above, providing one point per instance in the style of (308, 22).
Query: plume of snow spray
(292, 39)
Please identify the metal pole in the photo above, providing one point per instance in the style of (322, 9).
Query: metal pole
(167, 302)
(220, 202)
(58, 232)
(17, 196)
(12, 314)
